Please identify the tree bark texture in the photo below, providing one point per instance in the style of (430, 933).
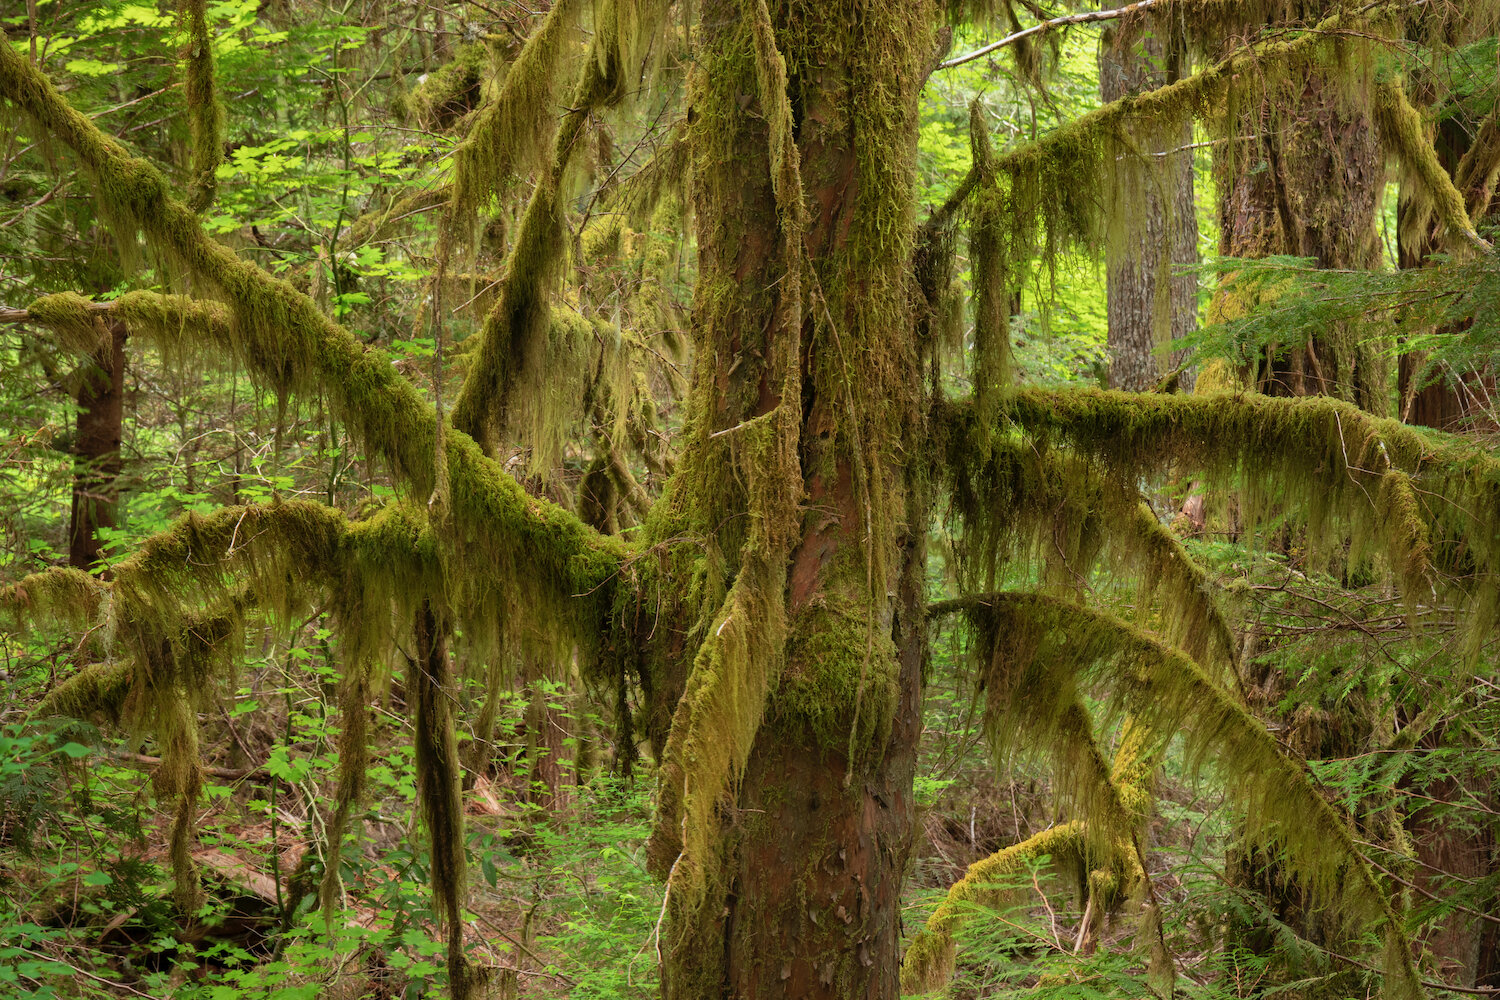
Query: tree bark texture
(1153, 294)
(96, 449)
(805, 898)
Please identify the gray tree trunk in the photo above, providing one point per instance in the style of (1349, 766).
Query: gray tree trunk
(1153, 296)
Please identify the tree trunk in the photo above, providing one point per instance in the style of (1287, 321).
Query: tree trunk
(1153, 294)
(1304, 178)
(804, 898)
(96, 465)
(1464, 399)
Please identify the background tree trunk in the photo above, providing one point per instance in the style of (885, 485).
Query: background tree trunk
(1160, 241)
(96, 449)
(1304, 178)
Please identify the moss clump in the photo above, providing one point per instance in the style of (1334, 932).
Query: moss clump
(56, 594)
(452, 91)
(97, 690)
(74, 319)
(838, 691)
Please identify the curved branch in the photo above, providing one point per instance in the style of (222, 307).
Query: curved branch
(1023, 499)
(282, 336)
(1417, 491)
(1168, 693)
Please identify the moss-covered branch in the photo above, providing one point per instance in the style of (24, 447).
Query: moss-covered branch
(281, 336)
(1167, 693)
(1428, 500)
(1112, 861)
(1405, 134)
(1019, 500)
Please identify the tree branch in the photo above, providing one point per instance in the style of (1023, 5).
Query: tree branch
(281, 335)
(1087, 17)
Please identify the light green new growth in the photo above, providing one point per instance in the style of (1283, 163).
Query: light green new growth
(205, 111)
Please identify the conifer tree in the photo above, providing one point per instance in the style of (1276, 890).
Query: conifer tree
(770, 610)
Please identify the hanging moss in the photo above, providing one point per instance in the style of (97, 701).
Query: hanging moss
(1030, 507)
(205, 110)
(74, 319)
(994, 285)
(354, 759)
(509, 134)
(1325, 456)
(56, 594)
(1410, 139)
(1167, 693)
(439, 790)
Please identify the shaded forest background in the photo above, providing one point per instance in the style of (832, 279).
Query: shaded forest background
(337, 131)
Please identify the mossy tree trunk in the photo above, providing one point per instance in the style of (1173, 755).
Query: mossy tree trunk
(1460, 401)
(1153, 295)
(1304, 178)
(96, 448)
(802, 897)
